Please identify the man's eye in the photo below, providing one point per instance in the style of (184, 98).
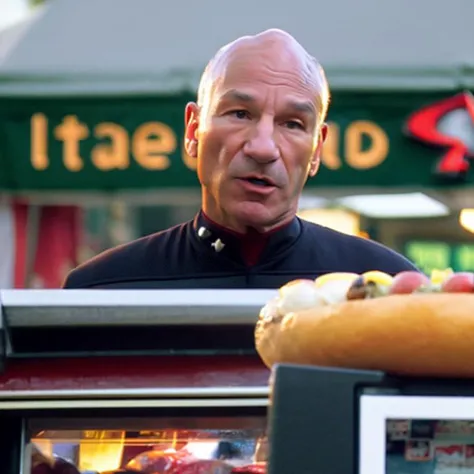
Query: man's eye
(240, 114)
(294, 125)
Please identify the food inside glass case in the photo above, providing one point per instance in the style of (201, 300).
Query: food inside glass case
(214, 446)
(430, 447)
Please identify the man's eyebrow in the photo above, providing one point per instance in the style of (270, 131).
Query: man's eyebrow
(306, 107)
(238, 96)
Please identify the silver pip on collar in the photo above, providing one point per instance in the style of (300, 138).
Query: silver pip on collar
(203, 233)
(218, 245)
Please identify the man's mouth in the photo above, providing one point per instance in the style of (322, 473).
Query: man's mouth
(264, 182)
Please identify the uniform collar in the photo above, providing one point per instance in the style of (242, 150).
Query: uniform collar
(251, 248)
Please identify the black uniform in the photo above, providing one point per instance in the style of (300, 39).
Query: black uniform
(201, 254)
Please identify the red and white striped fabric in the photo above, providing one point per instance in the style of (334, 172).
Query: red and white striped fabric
(37, 256)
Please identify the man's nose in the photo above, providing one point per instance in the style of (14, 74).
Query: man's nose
(261, 145)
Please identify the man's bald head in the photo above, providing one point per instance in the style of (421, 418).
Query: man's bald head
(257, 131)
(284, 47)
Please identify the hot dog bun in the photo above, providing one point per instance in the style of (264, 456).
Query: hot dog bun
(420, 334)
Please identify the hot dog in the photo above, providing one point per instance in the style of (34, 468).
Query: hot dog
(409, 324)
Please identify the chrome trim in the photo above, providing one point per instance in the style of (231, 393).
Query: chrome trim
(183, 393)
(25, 454)
(40, 308)
(134, 422)
(142, 403)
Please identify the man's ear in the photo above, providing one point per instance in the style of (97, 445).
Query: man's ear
(316, 159)
(191, 118)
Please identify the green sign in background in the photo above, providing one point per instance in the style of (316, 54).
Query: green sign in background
(350, 157)
(435, 255)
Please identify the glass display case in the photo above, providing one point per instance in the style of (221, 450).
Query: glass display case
(196, 441)
(131, 383)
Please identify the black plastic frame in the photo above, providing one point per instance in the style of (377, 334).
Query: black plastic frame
(314, 416)
(312, 420)
(74, 341)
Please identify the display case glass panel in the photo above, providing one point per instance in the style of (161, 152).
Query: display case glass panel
(188, 443)
(416, 435)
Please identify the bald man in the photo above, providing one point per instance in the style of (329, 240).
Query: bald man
(256, 131)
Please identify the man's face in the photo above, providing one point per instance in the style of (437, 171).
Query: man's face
(258, 139)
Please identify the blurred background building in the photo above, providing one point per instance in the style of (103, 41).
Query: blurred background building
(92, 94)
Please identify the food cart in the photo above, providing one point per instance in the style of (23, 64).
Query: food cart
(130, 381)
(169, 382)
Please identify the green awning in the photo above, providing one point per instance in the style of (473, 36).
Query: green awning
(135, 143)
